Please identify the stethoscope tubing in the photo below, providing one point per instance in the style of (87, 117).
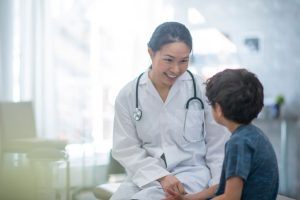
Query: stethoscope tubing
(137, 114)
(137, 91)
(195, 93)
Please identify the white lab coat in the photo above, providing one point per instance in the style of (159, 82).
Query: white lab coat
(194, 158)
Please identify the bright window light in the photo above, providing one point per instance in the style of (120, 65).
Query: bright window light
(16, 53)
(195, 17)
(95, 53)
(211, 41)
(169, 13)
(209, 71)
(88, 53)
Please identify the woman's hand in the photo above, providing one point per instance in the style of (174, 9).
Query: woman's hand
(171, 183)
(171, 195)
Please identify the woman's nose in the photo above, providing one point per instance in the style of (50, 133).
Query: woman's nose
(175, 68)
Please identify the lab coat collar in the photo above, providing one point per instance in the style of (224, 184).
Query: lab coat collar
(176, 86)
(174, 89)
(145, 77)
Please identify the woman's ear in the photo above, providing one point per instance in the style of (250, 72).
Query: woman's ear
(151, 53)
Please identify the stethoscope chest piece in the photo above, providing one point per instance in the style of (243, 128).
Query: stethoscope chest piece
(137, 114)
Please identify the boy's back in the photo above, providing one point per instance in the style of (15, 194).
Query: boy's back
(250, 155)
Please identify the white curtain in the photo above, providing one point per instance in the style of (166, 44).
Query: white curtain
(23, 57)
(6, 48)
(72, 57)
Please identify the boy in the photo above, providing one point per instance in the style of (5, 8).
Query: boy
(250, 169)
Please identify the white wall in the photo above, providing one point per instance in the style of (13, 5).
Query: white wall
(277, 64)
(277, 23)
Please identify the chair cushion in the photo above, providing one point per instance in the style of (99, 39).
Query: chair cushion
(106, 190)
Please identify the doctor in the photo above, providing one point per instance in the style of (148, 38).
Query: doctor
(164, 134)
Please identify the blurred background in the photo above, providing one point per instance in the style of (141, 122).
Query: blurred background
(70, 58)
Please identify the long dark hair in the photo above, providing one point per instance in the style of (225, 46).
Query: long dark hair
(170, 32)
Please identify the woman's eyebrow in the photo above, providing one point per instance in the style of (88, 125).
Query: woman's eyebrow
(167, 55)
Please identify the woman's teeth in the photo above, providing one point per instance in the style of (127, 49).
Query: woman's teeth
(171, 76)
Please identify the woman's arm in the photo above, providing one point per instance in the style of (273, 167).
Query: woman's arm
(127, 147)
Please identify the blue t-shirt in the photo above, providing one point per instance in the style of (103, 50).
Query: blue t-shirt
(250, 156)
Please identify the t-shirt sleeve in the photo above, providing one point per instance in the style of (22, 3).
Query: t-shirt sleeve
(238, 158)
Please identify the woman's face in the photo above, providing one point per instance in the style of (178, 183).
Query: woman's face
(169, 63)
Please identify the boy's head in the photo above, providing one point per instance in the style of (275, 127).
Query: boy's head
(238, 92)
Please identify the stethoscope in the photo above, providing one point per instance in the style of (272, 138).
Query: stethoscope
(137, 114)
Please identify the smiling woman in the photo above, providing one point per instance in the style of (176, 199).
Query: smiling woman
(173, 56)
(154, 149)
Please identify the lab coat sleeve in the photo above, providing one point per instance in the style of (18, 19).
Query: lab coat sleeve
(127, 148)
(216, 136)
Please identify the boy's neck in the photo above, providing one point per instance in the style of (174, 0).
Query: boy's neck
(231, 126)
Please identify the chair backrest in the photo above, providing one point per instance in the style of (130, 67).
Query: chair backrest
(17, 120)
(114, 167)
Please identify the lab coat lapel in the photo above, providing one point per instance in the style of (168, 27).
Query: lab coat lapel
(152, 90)
(173, 91)
(176, 87)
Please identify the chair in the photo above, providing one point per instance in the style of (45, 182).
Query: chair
(114, 176)
(18, 136)
(18, 130)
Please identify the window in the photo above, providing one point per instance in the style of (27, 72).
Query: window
(72, 57)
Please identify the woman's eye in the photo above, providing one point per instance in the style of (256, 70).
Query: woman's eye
(168, 60)
(185, 61)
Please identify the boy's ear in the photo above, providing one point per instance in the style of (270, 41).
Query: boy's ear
(219, 111)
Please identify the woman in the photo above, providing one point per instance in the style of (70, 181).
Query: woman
(162, 142)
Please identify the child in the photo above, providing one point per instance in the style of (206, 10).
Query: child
(250, 169)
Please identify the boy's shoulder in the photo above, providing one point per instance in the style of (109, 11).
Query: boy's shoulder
(246, 134)
(247, 130)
